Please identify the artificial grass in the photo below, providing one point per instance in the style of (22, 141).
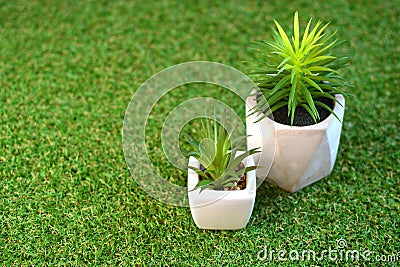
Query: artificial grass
(67, 72)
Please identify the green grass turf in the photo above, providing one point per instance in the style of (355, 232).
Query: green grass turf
(68, 70)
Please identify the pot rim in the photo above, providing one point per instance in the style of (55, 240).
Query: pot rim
(216, 195)
(338, 109)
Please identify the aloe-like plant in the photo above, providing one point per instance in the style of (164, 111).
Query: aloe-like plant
(217, 156)
(296, 71)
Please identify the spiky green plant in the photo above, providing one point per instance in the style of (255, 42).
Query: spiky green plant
(215, 152)
(294, 72)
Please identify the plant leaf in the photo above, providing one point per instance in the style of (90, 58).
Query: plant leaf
(327, 108)
(285, 39)
(296, 31)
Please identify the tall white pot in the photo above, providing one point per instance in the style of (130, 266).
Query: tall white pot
(302, 155)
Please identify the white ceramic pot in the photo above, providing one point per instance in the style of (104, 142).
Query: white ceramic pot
(303, 155)
(221, 210)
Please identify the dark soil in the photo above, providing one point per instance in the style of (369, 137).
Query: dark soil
(240, 184)
(301, 116)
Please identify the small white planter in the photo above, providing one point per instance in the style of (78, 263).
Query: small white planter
(221, 210)
(303, 155)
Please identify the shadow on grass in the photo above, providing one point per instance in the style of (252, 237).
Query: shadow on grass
(268, 200)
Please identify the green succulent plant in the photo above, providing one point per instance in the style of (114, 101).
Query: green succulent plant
(215, 152)
(296, 71)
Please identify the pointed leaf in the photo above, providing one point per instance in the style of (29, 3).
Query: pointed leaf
(284, 37)
(312, 83)
(296, 31)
